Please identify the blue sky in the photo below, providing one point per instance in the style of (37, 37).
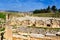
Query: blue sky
(27, 5)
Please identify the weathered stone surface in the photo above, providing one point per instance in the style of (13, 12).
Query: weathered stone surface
(35, 21)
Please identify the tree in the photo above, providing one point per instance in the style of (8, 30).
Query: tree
(36, 11)
(48, 9)
(59, 10)
(53, 8)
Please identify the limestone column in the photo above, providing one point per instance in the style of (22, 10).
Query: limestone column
(8, 29)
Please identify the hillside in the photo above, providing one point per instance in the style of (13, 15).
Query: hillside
(57, 15)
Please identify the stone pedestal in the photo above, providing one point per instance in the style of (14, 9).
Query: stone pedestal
(8, 33)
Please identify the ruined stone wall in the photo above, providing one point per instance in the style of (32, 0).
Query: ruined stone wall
(35, 21)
